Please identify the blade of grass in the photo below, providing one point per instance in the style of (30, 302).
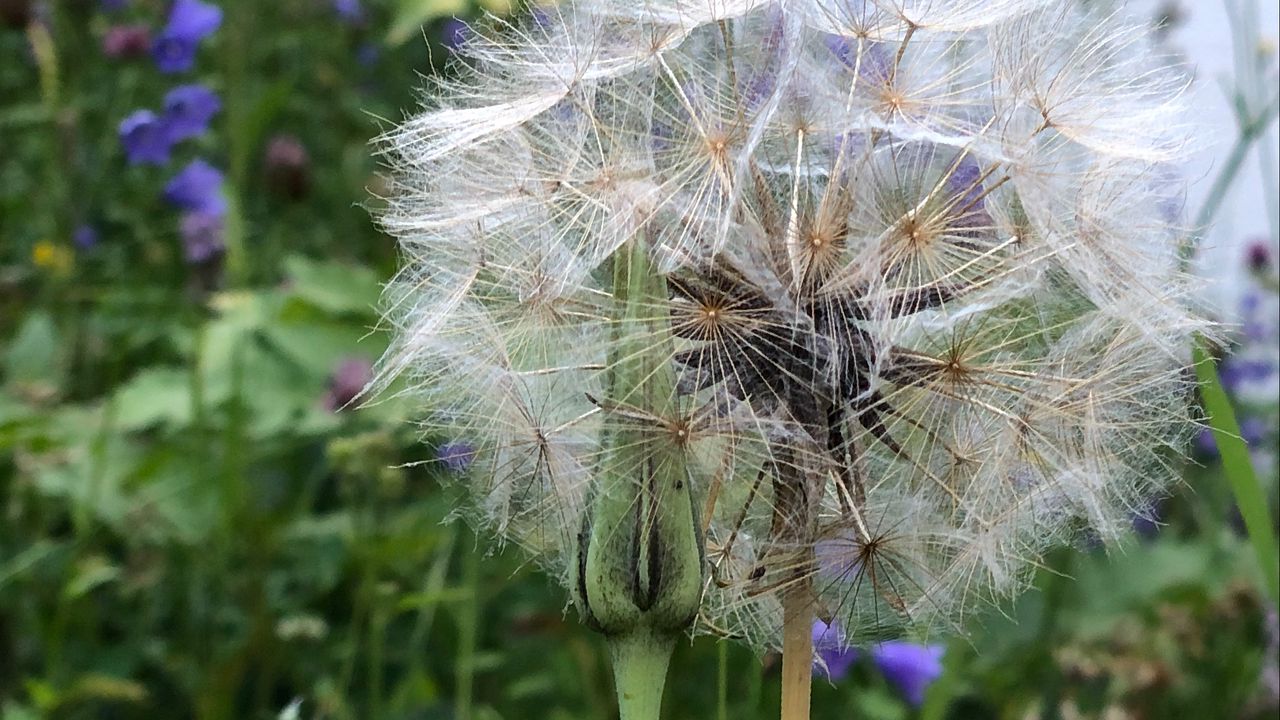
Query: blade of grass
(722, 681)
(1238, 468)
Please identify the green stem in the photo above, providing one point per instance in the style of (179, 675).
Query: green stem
(722, 681)
(468, 620)
(755, 687)
(431, 588)
(238, 109)
(1250, 131)
(640, 660)
(1238, 467)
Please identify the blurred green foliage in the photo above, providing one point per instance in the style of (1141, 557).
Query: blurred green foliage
(190, 531)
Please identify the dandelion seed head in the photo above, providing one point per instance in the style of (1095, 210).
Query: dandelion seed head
(924, 306)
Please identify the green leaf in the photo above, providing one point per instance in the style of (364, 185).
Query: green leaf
(25, 561)
(277, 396)
(14, 711)
(318, 347)
(221, 341)
(18, 420)
(94, 688)
(334, 287)
(89, 573)
(180, 501)
(24, 115)
(32, 362)
(1238, 468)
(91, 477)
(156, 396)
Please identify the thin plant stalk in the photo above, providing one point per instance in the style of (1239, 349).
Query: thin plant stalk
(468, 622)
(1251, 129)
(1248, 494)
(1238, 467)
(722, 681)
(640, 660)
(797, 655)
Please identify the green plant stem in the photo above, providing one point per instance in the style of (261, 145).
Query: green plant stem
(1250, 132)
(722, 681)
(432, 588)
(640, 660)
(755, 687)
(237, 98)
(468, 621)
(377, 645)
(639, 561)
(1251, 129)
(1238, 468)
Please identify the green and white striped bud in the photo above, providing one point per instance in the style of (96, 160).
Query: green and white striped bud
(639, 559)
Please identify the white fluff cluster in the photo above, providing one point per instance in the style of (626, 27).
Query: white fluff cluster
(924, 303)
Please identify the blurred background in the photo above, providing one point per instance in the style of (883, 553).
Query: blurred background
(196, 521)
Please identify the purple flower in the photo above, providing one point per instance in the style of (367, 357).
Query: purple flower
(874, 67)
(349, 11)
(126, 41)
(839, 556)
(758, 85)
(174, 53)
(1258, 255)
(1250, 303)
(967, 203)
(201, 237)
(909, 667)
(454, 33)
(660, 135)
(840, 47)
(1238, 372)
(1147, 520)
(367, 54)
(198, 188)
(456, 456)
(1253, 430)
(145, 138)
(1256, 331)
(1205, 443)
(1257, 370)
(347, 381)
(190, 21)
(188, 110)
(828, 641)
(194, 19)
(85, 237)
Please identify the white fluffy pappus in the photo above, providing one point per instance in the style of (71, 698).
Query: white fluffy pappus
(923, 301)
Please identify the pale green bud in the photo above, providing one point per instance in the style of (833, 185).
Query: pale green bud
(639, 562)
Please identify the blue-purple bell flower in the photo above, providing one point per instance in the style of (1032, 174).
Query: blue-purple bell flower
(188, 110)
(456, 456)
(197, 188)
(202, 237)
(837, 658)
(190, 22)
(909, 667)
(85, 237)
(145, 138)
